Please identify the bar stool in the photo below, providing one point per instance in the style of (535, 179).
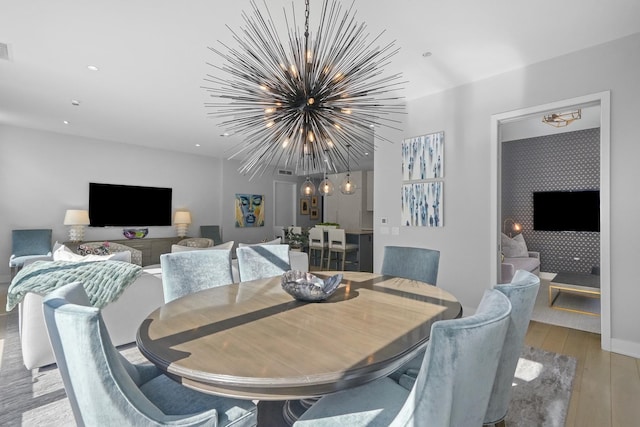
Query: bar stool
(317, 243)
(338, 245)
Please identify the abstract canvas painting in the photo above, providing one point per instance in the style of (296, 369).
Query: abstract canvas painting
(249, 210)
(423, 157)
(422, 204)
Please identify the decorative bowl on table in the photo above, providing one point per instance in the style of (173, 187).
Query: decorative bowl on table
(305, 286)
(135, 233)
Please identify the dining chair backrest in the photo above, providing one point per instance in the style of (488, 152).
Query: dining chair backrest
(411, 263)
(104, 388)
(262, 261)
(452, 387)
(295, 229)
(522, 293)
(192, 271)
(337, 238)
(316, 238)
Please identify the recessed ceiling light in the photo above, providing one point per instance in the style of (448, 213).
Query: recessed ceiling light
(224, 135)
(197, 145)
(426, 54)
(366, 154)
(75, 102)
(66, 122)
(92, 67)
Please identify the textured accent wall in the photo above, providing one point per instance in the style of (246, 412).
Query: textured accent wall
(567, 161)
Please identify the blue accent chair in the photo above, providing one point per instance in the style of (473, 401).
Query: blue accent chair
(522, 293)
(452, 388)
(411, 263)
(187, 272)
(29, 245)
(262, 261)
(105, 389)
(212, 232)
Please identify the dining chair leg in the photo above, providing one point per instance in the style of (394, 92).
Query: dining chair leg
(344, 256)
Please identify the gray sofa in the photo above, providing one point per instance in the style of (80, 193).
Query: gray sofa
(510, 265)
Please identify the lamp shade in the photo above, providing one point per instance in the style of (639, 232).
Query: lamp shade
(182, 217)
(76, 217)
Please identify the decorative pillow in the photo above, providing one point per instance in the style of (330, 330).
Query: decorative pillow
(276, 241)
(514, 247)
(65, 254)
(103, 249)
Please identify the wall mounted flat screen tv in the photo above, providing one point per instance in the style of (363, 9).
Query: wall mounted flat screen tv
(566, 210)
(128, 205)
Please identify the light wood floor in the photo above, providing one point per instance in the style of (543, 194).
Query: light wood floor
(606, 389)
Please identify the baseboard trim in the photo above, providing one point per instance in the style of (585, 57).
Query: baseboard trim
(627, 348)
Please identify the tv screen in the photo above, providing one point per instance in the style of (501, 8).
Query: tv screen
(566, 210)
(128, 205)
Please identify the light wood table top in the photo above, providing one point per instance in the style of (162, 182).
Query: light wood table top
(253, 340)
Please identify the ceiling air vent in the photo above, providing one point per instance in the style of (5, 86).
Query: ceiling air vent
(285, 172)
(4, 51)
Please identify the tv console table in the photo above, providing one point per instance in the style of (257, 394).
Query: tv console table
(151, 248)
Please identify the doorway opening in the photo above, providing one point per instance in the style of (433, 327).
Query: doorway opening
(500, 126)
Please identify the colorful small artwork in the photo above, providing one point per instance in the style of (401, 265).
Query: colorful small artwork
(423, 157)
(422, 204)
(249, 210)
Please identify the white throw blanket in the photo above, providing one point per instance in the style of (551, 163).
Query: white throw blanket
(104, 281)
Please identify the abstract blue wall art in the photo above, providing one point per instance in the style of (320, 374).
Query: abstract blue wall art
(422, 204)
(423, 157)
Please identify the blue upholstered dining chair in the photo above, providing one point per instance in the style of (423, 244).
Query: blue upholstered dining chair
(29, 245)
(452, 388)
(192, 271)
(106, 389)
(262, 261)
(411, 263)
(522, 293)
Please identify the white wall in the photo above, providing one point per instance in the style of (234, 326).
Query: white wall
(43, 174)
(464, 114)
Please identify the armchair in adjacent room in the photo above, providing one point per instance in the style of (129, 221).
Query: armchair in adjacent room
(29, 245)
(516, 256)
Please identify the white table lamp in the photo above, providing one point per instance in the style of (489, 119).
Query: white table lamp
(182, 219)
(77, 219)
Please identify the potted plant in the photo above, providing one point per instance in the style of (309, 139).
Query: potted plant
(297, 241)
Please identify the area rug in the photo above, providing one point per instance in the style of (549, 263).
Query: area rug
(583, 322)
(541, 394)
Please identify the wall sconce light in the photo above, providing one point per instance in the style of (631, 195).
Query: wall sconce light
(182, 219)
(515, 227)
(77, 219)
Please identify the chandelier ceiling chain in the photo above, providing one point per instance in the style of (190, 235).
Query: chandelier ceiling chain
(294, 107)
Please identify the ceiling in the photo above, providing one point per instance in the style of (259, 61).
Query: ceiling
(152, 56)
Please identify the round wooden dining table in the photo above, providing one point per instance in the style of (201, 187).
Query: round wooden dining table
(252, 340)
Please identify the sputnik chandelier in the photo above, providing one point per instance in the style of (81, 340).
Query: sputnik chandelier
(297, 107)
